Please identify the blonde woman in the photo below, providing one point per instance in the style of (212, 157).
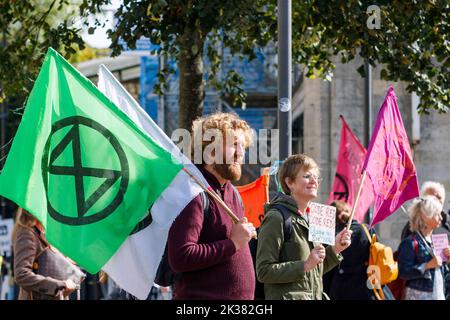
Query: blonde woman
(28, 242)
(437, 190)
(423, 271)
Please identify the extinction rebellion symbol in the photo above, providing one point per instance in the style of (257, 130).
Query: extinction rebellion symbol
(341, 192)
(81, 173)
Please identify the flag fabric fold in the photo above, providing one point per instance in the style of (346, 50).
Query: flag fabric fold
(350, 160)
(389, 163)
(134, 265)
(82, 167)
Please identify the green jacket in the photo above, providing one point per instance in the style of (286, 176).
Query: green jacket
(280, 266)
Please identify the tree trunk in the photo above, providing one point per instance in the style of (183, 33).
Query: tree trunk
(192, 87)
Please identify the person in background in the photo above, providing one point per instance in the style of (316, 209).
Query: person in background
(423, 271)
(436, 190)
(27, 238)
(91, 288)
(348, 281)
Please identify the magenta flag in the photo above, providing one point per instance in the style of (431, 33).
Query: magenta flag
(389, 163)
(350, 160)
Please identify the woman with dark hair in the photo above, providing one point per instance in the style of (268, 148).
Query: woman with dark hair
(348, 281)
(28, 243)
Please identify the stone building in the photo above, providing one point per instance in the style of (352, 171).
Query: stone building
(318, 105)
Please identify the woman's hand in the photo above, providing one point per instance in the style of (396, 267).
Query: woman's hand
(343, 240)
(316, 256)
(434, 263)
(70, 287)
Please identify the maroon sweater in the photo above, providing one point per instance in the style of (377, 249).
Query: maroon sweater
(207, 259)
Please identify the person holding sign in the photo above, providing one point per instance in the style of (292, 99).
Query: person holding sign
(292, 267)
(437, 190)
(28, 237)
(423, 269)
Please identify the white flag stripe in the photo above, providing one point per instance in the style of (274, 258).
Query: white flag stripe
(131, 267)
(114, 90)
(134, 265)
(168, 206)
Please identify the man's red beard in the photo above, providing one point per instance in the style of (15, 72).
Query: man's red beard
(228, 171)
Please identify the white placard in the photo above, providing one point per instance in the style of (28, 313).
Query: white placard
(322, 223)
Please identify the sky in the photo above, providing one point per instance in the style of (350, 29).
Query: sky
(99, 39)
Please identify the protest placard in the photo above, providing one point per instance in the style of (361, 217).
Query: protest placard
(322, 223)
(440, 242)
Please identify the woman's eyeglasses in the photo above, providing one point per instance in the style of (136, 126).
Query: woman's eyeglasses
(310, 176)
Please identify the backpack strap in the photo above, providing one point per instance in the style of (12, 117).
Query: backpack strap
(206, 205)
(287, 220)
(427, 246)
(415, 245)
(367, 232)
(377, 290)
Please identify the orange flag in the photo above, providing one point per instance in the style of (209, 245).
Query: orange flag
(254, 195)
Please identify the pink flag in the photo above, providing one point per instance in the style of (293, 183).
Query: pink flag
(389, 162)
(348, 174)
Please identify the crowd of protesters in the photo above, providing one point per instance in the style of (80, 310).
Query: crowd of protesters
(211, 256)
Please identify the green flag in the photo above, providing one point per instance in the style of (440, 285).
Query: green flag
(81, 166)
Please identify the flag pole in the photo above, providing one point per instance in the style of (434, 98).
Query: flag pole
(363, 177)
(215, 197)
(266, 172)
